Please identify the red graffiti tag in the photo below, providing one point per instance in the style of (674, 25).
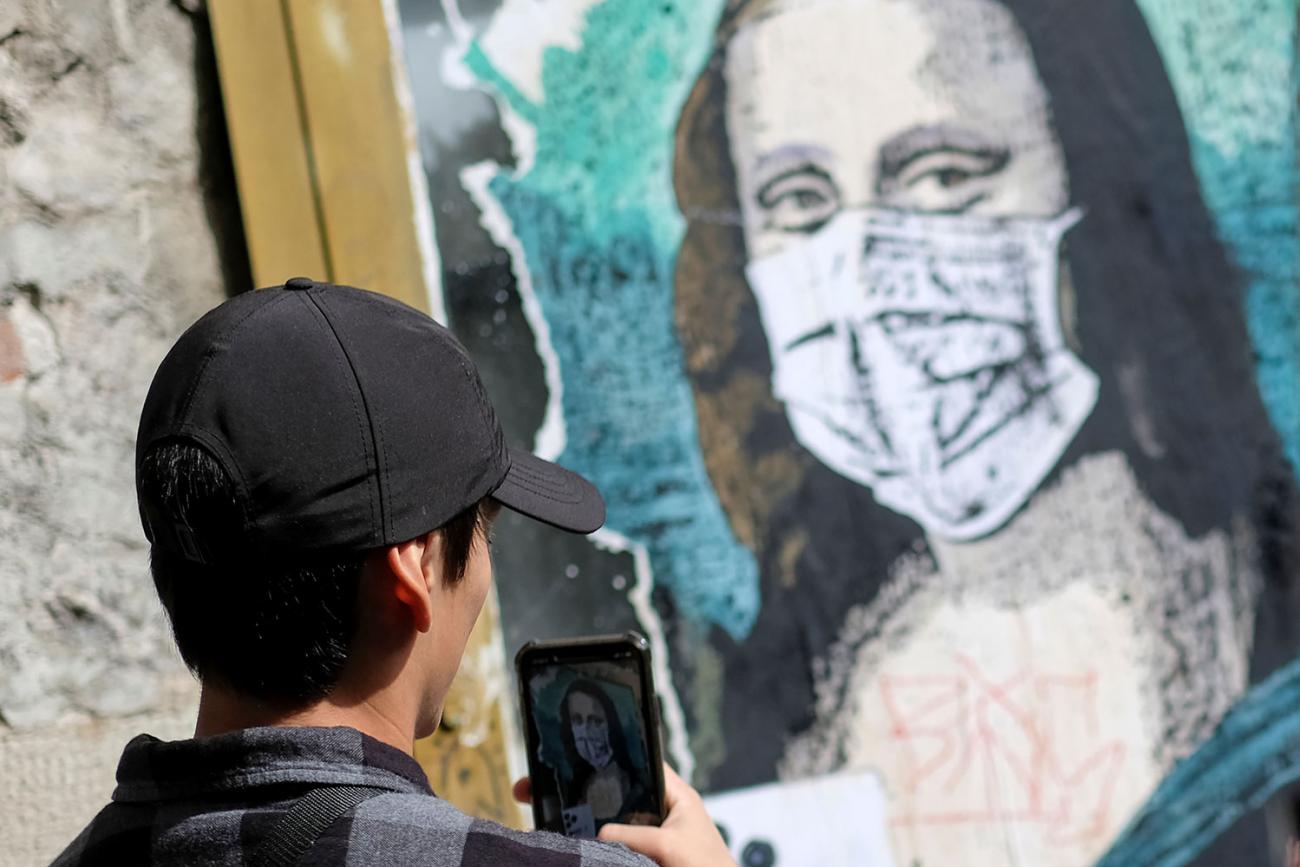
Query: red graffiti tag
(982, 750)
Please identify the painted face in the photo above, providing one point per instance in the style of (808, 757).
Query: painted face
(590, 730)
(903, 197)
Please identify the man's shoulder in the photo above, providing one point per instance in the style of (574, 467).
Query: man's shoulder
(395, 828)
(401, 828)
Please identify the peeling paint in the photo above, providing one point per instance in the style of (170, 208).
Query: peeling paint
(11, 350)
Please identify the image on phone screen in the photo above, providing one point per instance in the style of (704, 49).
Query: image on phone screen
(592, 763)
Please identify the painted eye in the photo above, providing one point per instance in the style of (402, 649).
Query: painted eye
(952, 177)
(799, 200)
(948, 180)
(804, 198)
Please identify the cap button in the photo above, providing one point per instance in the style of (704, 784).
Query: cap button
(299, 283)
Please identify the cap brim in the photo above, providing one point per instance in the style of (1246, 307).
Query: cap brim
(551, 494)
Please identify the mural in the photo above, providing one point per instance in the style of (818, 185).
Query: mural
(937, 359)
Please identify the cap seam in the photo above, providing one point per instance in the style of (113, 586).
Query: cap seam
(525, 482)
(545, 495)
(476, 386)
(361, 413)
(526, 477)
(210, 353)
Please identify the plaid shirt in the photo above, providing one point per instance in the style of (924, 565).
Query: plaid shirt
(211, 801)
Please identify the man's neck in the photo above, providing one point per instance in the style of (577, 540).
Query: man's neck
(222, 711)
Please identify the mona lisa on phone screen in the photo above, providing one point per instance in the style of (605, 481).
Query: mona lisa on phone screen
(591, 725)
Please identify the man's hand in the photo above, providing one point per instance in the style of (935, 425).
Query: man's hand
(687, 838)
(523, 790)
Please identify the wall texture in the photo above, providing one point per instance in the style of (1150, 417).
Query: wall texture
(118, 227)
(937, 359)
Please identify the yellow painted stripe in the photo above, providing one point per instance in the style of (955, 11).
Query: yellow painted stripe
(267, 139)
(357, 145)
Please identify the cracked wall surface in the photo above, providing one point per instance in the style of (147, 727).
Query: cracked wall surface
(118, 227)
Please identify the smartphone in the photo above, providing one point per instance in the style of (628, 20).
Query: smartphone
(591, 727)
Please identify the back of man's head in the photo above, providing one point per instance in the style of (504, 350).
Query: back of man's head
(278, 629)
(292, 435)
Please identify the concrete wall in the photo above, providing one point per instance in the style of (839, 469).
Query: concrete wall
(118, 227)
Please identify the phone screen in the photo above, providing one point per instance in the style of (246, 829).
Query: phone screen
(593, 756)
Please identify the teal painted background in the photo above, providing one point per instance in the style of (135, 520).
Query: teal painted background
(1233, 67)
(600, 229)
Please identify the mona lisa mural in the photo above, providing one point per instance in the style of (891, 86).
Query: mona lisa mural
(931, 355)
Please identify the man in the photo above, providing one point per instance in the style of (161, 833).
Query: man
(317, 469)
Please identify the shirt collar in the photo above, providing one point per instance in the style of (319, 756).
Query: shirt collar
(153, 770)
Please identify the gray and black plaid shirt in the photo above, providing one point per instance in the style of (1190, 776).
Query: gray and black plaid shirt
(211, 801)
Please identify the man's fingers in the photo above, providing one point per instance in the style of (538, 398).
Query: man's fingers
(523, 790)
(687, 835)
(675, 788)
(648, 841)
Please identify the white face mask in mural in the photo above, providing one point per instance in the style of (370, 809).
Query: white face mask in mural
(591, 738)
(922, 355)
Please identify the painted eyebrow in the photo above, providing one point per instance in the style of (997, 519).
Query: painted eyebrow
(783, 158)
(919, 141)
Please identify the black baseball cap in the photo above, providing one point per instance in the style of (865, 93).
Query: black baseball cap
(347, 420)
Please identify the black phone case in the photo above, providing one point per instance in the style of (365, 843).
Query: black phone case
(588, 649)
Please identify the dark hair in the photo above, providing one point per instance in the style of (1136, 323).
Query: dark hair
(1159, 319)
(273, 628)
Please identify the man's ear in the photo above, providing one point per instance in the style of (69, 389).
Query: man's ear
(409, 563)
